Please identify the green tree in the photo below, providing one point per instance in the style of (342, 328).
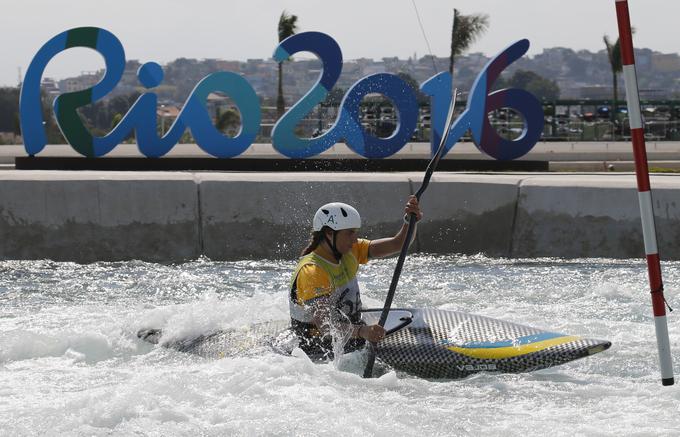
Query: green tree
(16, 126)
(9, 108)
(466, 30)
(334, 97)
(54, 135)
(287, 27)
(614, 56)
(228, 121)
(117, 117)
(542, 88)
(420, 96)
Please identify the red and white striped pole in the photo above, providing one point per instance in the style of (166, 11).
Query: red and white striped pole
(644, 192)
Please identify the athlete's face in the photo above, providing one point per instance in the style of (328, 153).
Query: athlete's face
(345, 239)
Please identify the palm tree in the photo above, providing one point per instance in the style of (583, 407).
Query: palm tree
(614, 55)
(466, 30)
(228, 121)
(287, 27)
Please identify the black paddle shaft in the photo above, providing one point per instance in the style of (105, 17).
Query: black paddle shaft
(368, 371)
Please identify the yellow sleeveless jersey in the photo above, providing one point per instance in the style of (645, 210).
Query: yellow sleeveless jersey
(317, 277)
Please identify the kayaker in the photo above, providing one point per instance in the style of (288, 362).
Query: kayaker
(324, 298)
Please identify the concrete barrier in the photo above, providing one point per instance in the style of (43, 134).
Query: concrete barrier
(593, 216)
(268, 215)
(167, 217)
(85, 217)
(467, 213)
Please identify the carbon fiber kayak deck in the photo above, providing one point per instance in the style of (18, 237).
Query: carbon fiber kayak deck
(428, 343)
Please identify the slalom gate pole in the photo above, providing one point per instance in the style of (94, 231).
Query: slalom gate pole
(644, 192)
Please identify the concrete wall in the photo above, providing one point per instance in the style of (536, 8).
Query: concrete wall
(593, 216)
(269, 215)
(168, 217)
(90, 216)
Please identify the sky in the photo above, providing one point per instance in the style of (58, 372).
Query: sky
(163, 30)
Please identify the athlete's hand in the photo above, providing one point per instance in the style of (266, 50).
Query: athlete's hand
(412, 207)
(372, 333)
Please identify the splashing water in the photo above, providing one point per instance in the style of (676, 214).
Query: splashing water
(70, 361)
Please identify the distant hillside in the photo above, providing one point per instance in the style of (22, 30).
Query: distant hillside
(579, 74)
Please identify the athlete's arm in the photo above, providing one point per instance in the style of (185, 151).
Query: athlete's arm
(391, 245)
(322, 321)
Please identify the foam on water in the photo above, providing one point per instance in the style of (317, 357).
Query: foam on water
(70, 361)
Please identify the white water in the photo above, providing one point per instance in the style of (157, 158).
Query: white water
(70, 362)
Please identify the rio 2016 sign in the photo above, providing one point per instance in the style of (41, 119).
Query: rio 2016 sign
(142, 115)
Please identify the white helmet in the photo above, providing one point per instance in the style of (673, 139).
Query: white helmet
(336, 216)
